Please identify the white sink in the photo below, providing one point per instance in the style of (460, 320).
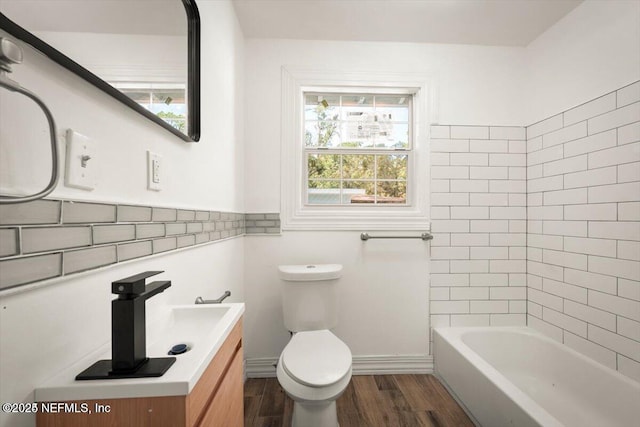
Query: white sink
(203, 327)
(185, 324)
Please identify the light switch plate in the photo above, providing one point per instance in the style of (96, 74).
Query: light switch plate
(80, 162)
(154, 171)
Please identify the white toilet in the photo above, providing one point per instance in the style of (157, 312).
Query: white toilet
(314, 368)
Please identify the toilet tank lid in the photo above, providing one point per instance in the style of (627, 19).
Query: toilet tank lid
(310, 272)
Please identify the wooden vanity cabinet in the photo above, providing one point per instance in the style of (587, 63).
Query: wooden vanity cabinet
(216, 400)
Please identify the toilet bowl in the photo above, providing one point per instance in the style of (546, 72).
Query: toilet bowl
(314, 368)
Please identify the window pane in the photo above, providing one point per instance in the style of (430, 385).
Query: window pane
(392, 167)
(323, 192)
(357, 107)
(392, 192)
(311, 107)
(322, 134)
(393, 108)
(392, 135)
(321, 107)
(358, 192)
(357, 166)
(324, 166)
(358, 133)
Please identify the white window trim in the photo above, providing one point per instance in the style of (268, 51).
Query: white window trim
(294, 214)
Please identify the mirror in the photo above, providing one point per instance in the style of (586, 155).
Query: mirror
(145, 53)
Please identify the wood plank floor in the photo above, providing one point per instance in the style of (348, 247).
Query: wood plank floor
(368, 401)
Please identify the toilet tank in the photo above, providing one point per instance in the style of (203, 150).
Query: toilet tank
(309, 296)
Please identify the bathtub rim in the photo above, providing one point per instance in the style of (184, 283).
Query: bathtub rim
(453, 336)
(456, 333)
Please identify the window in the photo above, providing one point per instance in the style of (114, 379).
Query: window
(354, 152)
(357, 148)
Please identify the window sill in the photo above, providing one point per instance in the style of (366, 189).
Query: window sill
(327, 219)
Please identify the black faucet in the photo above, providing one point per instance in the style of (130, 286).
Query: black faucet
(128, 337)
(128, 334)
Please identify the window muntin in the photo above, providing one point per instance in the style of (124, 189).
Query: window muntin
(357, 148)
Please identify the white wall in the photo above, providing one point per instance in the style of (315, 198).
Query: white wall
(45, 330)
(384, 292)
(477, 86)
(593, 50)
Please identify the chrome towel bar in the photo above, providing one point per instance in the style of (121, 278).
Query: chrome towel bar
(226, 294)
(424, 236)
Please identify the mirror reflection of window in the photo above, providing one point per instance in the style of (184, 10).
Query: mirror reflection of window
(166, 100)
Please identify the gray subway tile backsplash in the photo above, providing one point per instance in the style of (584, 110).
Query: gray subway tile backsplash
(163, 214)
(128, 251)
(44, 239)
(37, 212)
(86, 259)
(202, 215)
(262, 223)
(134, 213)
(87, 235)
(79, 212)
(20, 271)
(113, 233)
(174, 229)
(9, 242)
(188, 240)
(145, 231)
(194, 227)
(202, 238)
(184, 215)
(164, 245)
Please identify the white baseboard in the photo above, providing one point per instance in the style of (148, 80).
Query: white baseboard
(392, 364)
(265, 367)
(261, 367)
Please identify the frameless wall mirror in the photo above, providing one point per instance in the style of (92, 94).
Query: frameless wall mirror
(145, 53)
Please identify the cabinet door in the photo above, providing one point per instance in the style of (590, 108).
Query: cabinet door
(227, 407)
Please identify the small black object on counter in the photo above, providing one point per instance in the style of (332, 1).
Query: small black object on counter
(179, 349)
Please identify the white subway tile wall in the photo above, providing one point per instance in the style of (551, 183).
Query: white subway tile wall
(478, 217)
(583, 251)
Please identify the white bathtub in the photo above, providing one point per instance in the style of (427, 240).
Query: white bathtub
(514, 376)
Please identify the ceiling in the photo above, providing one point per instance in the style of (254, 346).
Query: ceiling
(150, 17)
(483, 22)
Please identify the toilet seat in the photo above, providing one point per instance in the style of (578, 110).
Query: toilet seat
(316, 358)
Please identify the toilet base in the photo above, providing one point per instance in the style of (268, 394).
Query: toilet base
(315, 414)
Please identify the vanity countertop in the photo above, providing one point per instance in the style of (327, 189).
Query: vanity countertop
(204, 328)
